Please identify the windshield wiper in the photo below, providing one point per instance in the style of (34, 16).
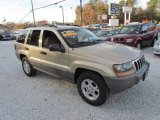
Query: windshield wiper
(98, 41)
(87, 43)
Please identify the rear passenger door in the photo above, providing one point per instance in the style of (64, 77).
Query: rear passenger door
(21, 40)
(54, 62)
(32, 47)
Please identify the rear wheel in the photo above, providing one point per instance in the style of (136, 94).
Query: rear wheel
(92, 88)
(27, 68)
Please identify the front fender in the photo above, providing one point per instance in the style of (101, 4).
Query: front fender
(99, 68)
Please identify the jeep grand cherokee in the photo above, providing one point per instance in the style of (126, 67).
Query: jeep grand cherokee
(97, 67)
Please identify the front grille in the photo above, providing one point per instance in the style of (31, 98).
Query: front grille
(139, 63)
(119, 39)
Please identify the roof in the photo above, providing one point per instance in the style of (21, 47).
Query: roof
(53, 26)
(67, 27)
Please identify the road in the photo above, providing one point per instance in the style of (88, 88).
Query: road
(45, 97)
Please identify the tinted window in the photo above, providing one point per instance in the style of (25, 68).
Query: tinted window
(22, 36)
(50, 38)
(33, 38)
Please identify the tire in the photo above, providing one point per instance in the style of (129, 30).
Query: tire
(28, 68)
(139, 45)
(92, 88)
(153, 42)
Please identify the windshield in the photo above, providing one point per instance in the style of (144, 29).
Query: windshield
(77, 37)
(130, 30)
(102, 33)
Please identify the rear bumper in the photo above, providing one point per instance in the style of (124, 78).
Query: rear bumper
(18, 56)
(118, 84)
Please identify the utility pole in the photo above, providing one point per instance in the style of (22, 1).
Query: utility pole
(81, 10)
(33, 13)
(62, 13)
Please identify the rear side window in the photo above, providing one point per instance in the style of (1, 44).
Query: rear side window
(33, 37)
(22, 36)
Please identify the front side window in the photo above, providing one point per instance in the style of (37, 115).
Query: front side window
(22, 36)
(77, 37)
(33, 38)
(152, 26)
(144, 28)
(50, 38)
(130, 29)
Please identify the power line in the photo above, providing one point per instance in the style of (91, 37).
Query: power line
(25, 16)
(49, 5)
(42, 3)
(41, 8)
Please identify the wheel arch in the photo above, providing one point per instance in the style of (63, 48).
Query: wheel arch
(79, 71)
(22, 56)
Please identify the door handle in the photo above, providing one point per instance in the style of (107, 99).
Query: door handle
(26, 48)
(43, 53)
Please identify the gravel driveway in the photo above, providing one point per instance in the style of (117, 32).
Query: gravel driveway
(45, 97)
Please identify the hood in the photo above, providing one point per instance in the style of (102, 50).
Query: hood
(109, 52)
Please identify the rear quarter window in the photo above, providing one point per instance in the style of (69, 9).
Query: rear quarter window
(22, 36)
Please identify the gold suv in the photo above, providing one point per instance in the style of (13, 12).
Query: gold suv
(76, 54)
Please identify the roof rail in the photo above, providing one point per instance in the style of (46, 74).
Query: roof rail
(50, 25)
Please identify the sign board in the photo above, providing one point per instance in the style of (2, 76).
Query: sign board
(114, 9)
(127, 9)
(113, 22)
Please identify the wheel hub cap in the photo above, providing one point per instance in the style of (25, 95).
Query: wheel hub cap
(26, 67)
(90, 89)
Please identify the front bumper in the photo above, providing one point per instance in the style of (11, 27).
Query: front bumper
(156, 50)
(118, 84)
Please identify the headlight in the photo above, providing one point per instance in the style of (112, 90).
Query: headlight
(124, 69)
(129, 40)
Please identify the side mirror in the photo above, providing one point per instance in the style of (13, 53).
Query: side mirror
(144, 31)
(56, 47)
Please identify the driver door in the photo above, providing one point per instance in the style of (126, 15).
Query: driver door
(53, 62)
(145, 35)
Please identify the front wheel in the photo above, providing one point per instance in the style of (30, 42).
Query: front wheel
(27, 68)
(153, 42)
(92, 88)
